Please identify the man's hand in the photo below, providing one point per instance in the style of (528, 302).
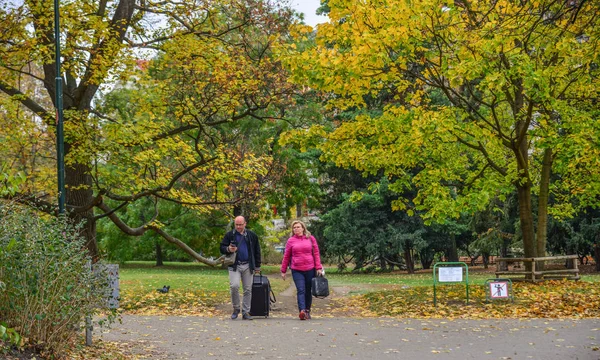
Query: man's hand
(232, 248)
(257, 271)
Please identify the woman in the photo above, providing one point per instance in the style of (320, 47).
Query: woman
(303, 252)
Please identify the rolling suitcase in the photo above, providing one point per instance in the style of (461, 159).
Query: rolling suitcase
(262, 296)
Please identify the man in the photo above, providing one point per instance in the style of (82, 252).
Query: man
(247, 263)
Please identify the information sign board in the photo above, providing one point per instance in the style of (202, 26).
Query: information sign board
(450, 274)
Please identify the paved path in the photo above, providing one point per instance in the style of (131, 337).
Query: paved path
(167, 337)
(284, 336)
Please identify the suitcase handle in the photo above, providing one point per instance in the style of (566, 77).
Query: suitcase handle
(260, 276)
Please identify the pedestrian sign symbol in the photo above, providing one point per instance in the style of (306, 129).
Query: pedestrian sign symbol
(499, 289)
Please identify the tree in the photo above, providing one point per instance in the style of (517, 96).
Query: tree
(578, 235)
(487, 98)
(179, 135)
(364, 228)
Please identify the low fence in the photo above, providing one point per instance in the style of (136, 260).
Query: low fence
(536, 273)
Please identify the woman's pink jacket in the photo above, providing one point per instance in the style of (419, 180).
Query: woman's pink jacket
(303, 252)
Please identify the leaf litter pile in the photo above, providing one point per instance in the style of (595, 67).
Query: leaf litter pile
(550, 299)
(199, 303)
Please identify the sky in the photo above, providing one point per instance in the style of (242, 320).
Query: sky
(309, 7)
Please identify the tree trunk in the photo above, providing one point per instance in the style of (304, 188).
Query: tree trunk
(523, 185)
(382, 263)
(503, 254)
(597, 256)
(426, 258)
(79, 193)
(453, 251)
(159, 256)
(542, 223)
(526, 217)
(408, 259)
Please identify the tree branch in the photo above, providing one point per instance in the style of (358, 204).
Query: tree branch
(27, 102)
(151, 225)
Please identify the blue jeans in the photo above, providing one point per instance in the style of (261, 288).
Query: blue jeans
(303, 281)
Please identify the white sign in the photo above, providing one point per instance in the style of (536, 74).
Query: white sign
(450, 274)
(498, 290)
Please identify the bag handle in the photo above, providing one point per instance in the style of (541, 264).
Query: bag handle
(313, 241)
(272, 297)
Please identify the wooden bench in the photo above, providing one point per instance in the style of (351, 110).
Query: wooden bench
(539, 275)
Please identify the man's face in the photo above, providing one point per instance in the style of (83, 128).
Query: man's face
(240, 225)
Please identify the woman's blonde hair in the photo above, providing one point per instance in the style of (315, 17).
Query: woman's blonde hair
(306, 232)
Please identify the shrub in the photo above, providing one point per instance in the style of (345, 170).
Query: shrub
(49, 286)
(271, 256)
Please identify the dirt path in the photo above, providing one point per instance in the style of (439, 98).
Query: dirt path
(287, 305)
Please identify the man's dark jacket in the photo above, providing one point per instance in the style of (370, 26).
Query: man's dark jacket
(253, 248)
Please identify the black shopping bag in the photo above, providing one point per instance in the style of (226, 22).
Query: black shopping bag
(320, 287)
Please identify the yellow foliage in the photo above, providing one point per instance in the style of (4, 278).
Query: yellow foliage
(469, 82)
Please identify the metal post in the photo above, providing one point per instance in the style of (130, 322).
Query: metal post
(60, 146)
(88, 320)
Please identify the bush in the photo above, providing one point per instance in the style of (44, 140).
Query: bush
(49, 286)
(271, 256)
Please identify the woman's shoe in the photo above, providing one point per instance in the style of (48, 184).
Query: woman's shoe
(302, 315)
(307, 314)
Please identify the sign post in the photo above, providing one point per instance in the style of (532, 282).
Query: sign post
(450, 272)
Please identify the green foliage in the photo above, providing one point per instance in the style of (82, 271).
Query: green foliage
(9, 182)
(575, 236)
(9, 335)
(49, 285)
(364, 228)
(201, 230)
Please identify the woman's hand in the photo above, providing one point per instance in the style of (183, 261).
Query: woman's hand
(283, 276)
(320, 272)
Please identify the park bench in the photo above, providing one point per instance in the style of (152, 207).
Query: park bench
(538, 275)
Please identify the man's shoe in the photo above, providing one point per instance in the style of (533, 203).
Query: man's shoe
(246, 316)
(302, 315)
(235, 314)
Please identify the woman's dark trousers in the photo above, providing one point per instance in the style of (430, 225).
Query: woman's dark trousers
(303, 281)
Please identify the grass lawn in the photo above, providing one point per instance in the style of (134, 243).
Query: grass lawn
(143, 276)
(194, 288)
(197, 288)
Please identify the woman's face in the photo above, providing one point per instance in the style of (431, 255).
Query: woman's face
(298, 229)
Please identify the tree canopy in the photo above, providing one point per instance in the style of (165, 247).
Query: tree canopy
(479, 98)
(158, 100)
